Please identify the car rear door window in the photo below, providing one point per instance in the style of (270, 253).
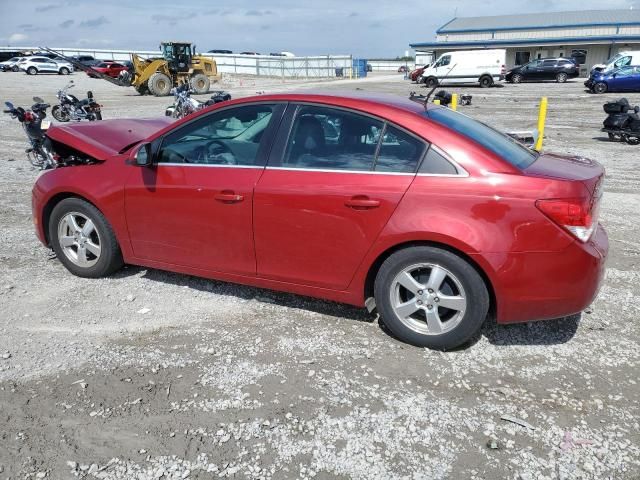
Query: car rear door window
(435, 163)
(228, 137)
(332, 139)
(399, 151)
(549, 64)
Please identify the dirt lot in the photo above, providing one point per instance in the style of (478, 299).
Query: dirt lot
(219, 380)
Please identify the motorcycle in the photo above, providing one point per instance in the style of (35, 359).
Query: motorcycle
(70, 108)
(184, 105)
(620, 124)
(39, 153)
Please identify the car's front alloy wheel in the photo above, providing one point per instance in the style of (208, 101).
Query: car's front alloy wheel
(430, 297)
(83, 240)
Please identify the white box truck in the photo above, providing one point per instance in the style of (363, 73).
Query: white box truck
(484, 67)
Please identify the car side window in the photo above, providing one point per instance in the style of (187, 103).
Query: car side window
(399, 152)
(332, 139)
(549, 63)
(228, 137)
(624, 72)
(435, 163)
(444, 61)
(622, 62)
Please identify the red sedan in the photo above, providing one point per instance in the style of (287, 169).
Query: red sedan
(427, 215)
(415, 73)
(112, 69)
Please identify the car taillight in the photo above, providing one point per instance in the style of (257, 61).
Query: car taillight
(577, 215)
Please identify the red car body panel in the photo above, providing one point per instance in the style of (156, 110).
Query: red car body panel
(306, 232)
(112, 69)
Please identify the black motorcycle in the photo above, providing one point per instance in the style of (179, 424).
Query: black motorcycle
(71, 108)
(39, 153)
(622, 122)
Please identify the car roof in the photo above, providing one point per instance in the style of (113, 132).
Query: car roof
(335, 97)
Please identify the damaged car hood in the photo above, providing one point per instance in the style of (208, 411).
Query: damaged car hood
(105, 138)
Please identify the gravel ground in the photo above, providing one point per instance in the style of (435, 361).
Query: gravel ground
(154, 375)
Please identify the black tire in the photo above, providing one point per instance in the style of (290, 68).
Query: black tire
(32, 71)
(431, 82)
(561, 77)
(159, 84)
(632, 140)
(110, 259)
(516, 78)
(59, 114)
(15, 68)
(200, 83)
(475, 293)
(64, 71)
(600, 87)
(486, 81)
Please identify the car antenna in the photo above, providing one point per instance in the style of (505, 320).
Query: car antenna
(425, 99)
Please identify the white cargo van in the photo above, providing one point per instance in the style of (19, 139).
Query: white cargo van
(484, 67)
(622, 59)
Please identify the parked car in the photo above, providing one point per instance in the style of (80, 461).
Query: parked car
(7, 65)
(624, 79)
(86, 60)
(249, 53)
(226, 52)
(35, 65)
(416, 73)
(112, 69)
(435, 223)
(558, 69)
(622, 59)
(484, 67)
(8, 54)
(403, 69)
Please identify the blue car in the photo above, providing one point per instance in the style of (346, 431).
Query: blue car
(623, 79)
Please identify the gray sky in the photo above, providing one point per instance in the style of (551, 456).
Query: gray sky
(366, 28)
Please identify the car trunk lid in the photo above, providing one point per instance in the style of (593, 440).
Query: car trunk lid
(103, 139)
(572, 168)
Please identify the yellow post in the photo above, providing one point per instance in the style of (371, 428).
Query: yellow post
(437, 102)
(454, 102)
(542, 117)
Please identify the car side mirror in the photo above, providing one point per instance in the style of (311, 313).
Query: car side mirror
(142, 155)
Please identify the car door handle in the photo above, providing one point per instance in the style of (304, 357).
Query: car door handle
(227, 196)
(362, 203)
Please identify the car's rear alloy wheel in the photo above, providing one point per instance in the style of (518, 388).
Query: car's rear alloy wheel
(83, 240)
(600, 87)
(430, 297)
(561, 77)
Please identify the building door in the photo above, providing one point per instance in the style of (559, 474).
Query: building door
(542, 53)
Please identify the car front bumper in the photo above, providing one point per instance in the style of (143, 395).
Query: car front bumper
(546, 285)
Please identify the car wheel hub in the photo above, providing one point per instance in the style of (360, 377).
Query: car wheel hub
(79, 239)
(428, 299)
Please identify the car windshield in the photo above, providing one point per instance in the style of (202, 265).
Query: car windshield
(497, 142)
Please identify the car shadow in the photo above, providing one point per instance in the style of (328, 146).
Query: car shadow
(283, 299)
(547, 332)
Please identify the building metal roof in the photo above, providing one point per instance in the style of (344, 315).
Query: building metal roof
(527, 21)
(605, 40)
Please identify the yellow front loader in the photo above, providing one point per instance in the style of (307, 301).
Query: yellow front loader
(179, 64)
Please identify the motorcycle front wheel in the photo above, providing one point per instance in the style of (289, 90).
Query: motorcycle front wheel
(59, 114)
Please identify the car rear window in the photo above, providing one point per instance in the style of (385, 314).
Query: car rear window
(497, 142)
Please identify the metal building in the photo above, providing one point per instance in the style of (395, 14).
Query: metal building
(590, 36)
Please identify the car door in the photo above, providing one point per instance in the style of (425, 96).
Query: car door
(623, 80)
(443, 67)
(50, 66)
(333, 180)
(194, 206)
(548, 70)
(533, 71)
